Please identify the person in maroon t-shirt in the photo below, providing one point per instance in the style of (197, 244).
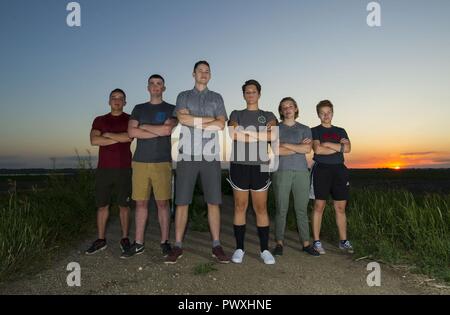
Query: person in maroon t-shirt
(109, 132)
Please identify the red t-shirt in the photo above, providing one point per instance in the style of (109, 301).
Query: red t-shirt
(117, 155)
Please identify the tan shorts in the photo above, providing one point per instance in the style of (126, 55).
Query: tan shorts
(148, 176)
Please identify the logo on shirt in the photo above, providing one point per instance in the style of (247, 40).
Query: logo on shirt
(262, 119)
(160, 117)
(330, 137)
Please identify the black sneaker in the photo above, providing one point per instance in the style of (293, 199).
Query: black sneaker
(125, 244)
(97, 246)
(134, 249)
(166, 248)
(311, 250)
(278, 250)
(174, 255)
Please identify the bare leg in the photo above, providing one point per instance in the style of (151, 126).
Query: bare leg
(102, 218)
(141, 219)
(259, 202)
(124, 220)
(214, 221)
(319, 207)
(181, 217)
(341, 218)
(164, 218)
(240, 206)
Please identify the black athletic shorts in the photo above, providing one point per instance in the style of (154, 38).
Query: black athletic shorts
(331, 179)
(109, 180)
(248, 177)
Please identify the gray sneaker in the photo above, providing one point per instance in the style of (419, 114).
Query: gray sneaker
(318, 247)
(135, 249)
(346, 246)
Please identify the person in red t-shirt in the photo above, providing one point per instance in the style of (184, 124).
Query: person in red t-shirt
(109, 132)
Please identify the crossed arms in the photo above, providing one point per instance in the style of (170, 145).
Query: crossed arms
(289, 148)
(147, 131)
(327, 148)
(240, 134)
(209, 123)
(107, 138)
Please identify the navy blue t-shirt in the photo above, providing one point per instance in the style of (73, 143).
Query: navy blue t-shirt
(154, 150)
(333, 134)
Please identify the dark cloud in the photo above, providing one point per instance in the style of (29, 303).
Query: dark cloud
(418, 153)
(442, 160)
(18, 162)
(74, 158)
(9, 157)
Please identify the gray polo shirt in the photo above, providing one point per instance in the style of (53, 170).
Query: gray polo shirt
(294, 135)
(201, 104)
(154, 150)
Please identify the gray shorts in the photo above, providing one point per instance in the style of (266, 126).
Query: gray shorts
(186, 177)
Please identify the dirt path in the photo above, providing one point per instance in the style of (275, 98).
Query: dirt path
(294, 273)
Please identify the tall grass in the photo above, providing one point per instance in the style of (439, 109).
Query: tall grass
(398, 227)
(34, 225)
(392, 225)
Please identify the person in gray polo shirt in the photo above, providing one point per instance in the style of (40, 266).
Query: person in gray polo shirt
(292, 175)
(201, 113)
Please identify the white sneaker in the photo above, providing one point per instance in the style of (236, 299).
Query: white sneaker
(346, 246)
(318, 247)
(267, 257)
(238, 256)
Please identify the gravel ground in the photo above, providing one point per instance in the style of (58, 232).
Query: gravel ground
(293, 273)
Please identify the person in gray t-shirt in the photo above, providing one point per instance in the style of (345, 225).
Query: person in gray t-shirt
(292, 175)
(151, 124)
(251, 152)
(251, 131)
(201, 113)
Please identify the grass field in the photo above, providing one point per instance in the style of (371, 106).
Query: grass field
(37, 225)
(400, 217)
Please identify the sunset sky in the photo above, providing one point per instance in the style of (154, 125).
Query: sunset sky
(390, 84)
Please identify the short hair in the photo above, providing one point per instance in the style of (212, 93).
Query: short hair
(119, 91)
(281, 103)
(324, 103)
(251, 82)
(156, 76)
(201, 62)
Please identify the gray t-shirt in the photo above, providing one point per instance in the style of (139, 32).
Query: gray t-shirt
(294, 135)
(200, 104)
(251, 153)
(333, 134)
(154, 150)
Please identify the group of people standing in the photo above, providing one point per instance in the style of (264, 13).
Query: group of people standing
(201, 111)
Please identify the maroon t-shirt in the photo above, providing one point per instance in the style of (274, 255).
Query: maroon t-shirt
(117, 155)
